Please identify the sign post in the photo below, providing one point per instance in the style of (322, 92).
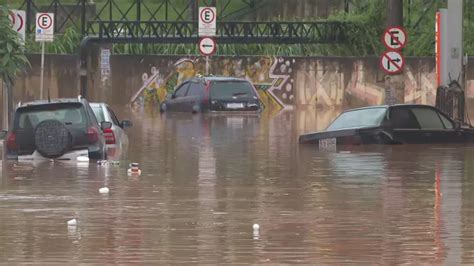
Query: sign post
(207, 28)
(44, 33)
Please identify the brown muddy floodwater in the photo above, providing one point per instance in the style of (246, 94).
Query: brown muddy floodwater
(207, 179)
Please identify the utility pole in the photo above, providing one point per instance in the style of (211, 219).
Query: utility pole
(394, 84)
(395, 13)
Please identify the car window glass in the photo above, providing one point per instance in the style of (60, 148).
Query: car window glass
(447, 123)
(194, 89)
(181, 91)
(98, 112)
(67, 114)
(222, 90)
(113, 117)
(359, 118)
(403, 118)
(90, 113)
(428, 118)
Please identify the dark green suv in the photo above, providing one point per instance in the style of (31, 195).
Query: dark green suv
(56, 129)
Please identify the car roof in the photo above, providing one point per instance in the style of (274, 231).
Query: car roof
(390, 106)
(217, 78)
(98, 104)
(44, 102)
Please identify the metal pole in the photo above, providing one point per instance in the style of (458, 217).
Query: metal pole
(42, 71)
(207, 65)
(395, 13)
(5, 106)
(394, 85)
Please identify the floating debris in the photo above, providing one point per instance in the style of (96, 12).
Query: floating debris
(256, 227)
(104, 190)
(72, 222)
(134, 169)
(256, 232)
(105, 162)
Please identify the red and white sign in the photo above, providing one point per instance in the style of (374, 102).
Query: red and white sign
(395, 38)
(18, 18)
(44, 27)
(392, 62)
(207, 46)
(207, 21)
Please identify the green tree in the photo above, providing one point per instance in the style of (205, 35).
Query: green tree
(12, 52)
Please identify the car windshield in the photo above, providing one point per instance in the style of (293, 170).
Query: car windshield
(230, 89)
(67, 113)
(359, 118)
(98, 112)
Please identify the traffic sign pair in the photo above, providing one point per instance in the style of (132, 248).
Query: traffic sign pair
(394, 39)
(207, 30)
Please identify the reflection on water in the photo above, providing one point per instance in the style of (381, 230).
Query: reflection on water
(207, 179)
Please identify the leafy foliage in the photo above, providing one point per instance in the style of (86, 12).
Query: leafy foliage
(12, 53)
(66, 43)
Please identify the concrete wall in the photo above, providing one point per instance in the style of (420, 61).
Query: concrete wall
(289, 81)
(284, 82)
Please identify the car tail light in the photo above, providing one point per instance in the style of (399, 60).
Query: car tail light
(93, 134)
(11, 141)
(109, 136)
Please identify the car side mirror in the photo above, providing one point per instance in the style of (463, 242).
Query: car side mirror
(126, 123)
(105, 125)
(3, 134)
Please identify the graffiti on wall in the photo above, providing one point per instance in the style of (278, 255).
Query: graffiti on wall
(271, 76)
(284, 83)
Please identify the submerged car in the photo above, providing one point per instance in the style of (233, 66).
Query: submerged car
(211, 94)
(116, 139)
(56, 129)
(396, 124)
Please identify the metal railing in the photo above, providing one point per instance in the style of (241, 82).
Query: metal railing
(76, 13)
(227, 32)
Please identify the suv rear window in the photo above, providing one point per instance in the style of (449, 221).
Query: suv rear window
(230, 89)
(68, 113)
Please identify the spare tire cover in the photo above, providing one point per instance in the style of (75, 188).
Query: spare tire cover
(52, 138)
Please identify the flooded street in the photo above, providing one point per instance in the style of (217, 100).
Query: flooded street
(207, 179)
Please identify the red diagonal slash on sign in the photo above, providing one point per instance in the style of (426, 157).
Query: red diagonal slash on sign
(394, 62)
(392, 57)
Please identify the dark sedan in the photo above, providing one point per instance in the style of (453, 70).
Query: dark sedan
(211, 94)
(396, 124)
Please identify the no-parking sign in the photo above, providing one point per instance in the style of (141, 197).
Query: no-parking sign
(207, 21)
(18, 19)
(395, 38)
(44, 27)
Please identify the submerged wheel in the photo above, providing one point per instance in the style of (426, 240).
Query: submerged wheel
(52, 139)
